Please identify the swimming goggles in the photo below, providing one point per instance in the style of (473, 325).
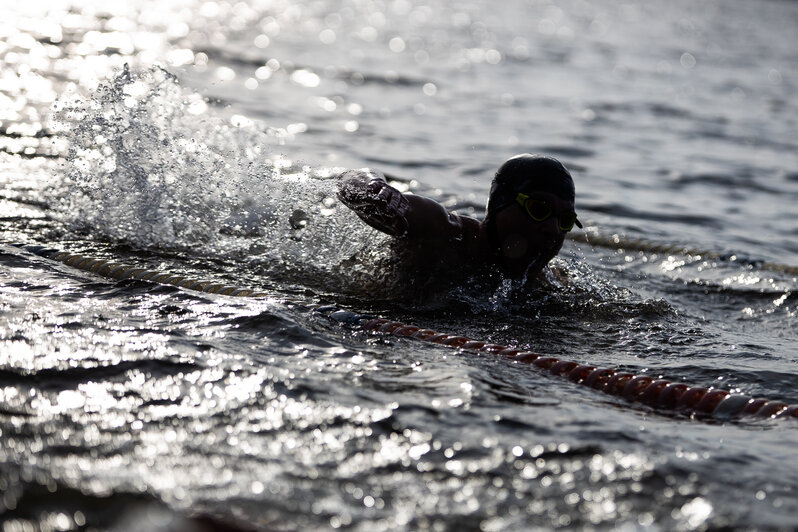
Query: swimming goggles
(540, 210)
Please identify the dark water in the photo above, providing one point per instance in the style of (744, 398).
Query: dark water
(132, 406)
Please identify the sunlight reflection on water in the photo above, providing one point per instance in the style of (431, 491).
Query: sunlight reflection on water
(222, 162)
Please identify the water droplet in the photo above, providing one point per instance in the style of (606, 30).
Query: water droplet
(687, 60)
(397, 44)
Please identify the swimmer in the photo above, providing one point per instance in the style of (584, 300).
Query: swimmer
(529, 211)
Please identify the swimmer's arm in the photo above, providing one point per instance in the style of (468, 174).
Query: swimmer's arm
(378, 204)
(386, 209)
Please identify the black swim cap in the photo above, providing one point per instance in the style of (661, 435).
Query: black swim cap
(527, 173)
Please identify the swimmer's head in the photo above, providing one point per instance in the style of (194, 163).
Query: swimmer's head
(528, 173)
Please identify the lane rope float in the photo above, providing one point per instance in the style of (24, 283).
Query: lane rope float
(657, 393)
(635, 244)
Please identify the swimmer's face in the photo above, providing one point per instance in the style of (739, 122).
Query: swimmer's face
(526, 245)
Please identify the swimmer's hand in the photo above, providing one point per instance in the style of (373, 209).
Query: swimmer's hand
(374, 201)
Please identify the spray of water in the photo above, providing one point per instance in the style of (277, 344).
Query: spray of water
(156, 167)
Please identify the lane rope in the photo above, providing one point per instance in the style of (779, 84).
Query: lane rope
(657, 393)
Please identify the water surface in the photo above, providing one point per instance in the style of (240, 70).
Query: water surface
(203, 139)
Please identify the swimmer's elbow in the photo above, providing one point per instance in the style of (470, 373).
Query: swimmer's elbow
(428, 219)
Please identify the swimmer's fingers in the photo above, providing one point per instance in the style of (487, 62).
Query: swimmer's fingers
(392, 225)
(389, 197)
(360, 187)
(374, 193)
(352, 192)
(376, 187)
(360, 199)
(389, 218)
(398, 206)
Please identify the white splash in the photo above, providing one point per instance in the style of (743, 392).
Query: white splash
(149, 170)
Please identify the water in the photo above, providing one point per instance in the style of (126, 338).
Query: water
(212, 154)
